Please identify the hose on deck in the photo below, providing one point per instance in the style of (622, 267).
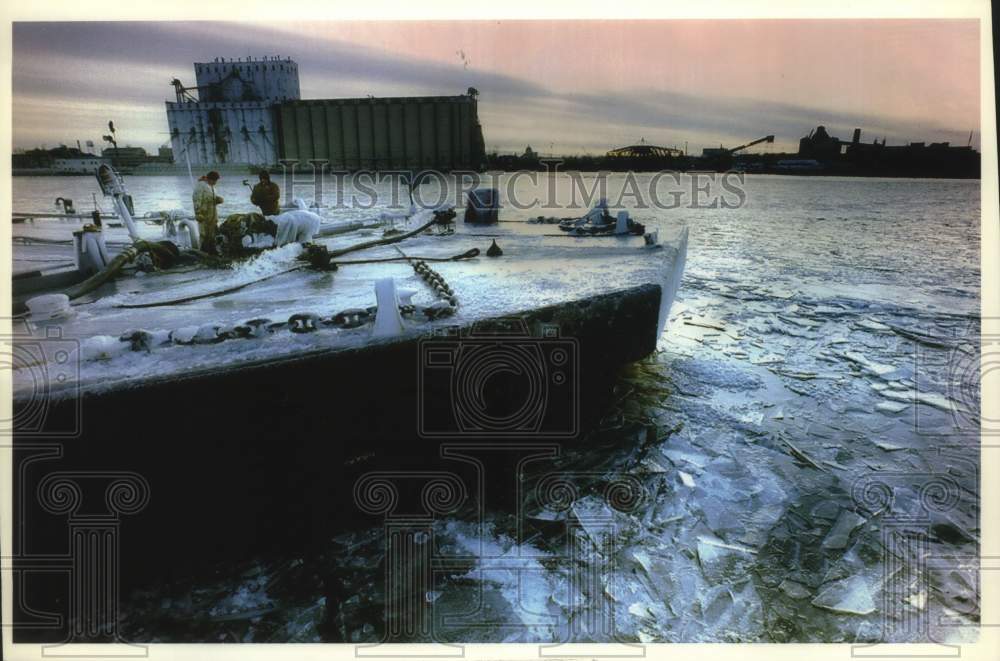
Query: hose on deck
(162, 253)
(440, 218)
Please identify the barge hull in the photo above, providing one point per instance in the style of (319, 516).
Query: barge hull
(265, 456)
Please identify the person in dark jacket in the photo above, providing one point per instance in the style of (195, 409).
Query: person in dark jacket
(266, 195)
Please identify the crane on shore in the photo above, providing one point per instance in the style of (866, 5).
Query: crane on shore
(722, 158)
(767, 138)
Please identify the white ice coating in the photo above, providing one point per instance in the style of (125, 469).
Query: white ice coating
(48, 306)
(388, 322)
(621, 225)
(539, 268)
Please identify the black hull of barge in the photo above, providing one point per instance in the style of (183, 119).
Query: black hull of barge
(265, 457)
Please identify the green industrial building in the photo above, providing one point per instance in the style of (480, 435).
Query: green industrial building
(395, 133)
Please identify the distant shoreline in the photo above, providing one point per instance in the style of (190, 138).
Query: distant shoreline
(243, 170)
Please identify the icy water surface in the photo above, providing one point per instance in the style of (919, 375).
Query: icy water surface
(799, 461)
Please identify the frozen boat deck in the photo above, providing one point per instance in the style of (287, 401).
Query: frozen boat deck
(540, 267)
(274, 431)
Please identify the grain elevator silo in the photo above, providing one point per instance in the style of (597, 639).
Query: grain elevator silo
(232, 119)
(249, 112)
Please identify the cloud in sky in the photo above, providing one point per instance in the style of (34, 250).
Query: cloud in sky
(568, 86)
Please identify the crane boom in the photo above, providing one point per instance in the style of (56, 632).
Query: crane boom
(766, 138)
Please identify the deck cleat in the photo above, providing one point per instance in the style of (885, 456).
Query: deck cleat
(388, 322)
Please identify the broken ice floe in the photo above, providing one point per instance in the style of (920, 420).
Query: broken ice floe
(891, 407)
(723, 562)
(850, 595)
(839, 535)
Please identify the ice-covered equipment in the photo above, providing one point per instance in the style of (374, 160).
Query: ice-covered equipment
(599, 214)
(599, 221)
(66, 204)
(90, 252)
(405, 296)
(183, 232)
(388, 322)
(188, 231)
(49, 306)
(112, 186)
(622, 225)
(483, 206)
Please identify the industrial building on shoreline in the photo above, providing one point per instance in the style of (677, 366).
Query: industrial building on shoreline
(249, 112)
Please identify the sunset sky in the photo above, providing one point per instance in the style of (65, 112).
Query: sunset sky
(560, 86)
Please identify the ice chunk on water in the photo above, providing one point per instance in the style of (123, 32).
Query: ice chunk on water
(877, 369)
(595, 518)
(891, 407)
(904, 394)
(870, 324)
(767, 359)
(918, 600)
(794, 590)
(719, 516)
(888, 447)
(825, 509)
(723, 562)
(850, 595)
(839, 535)
(939, 401)
(900, 395)
(679, 456)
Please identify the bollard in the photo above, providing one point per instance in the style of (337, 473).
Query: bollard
(90, 251)
(622, 226)
(388, 322)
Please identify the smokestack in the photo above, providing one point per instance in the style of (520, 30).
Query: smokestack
(857, 136)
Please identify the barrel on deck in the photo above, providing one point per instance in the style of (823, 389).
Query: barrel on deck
(483, 206)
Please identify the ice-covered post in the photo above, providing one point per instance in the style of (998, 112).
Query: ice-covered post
(388, 321)
(112, 185)
(91, 254)
(622, 226)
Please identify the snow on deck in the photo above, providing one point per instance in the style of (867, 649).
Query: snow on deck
(540, 267)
